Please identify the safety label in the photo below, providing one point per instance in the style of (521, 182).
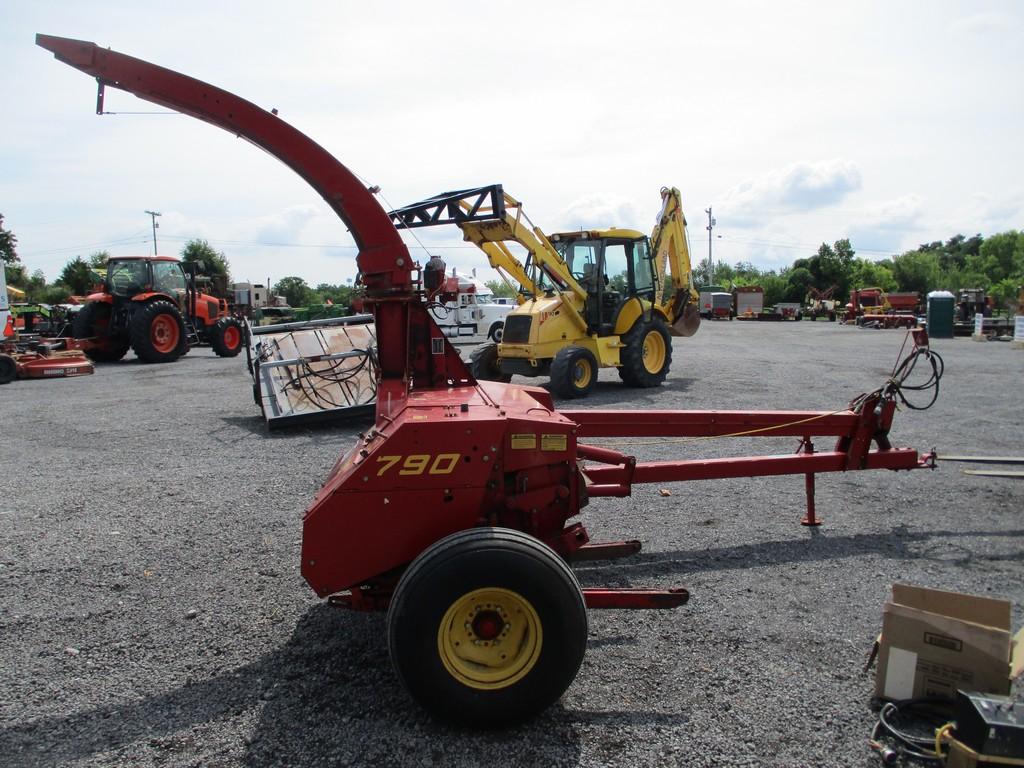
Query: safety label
(553, 442)
(524, 442)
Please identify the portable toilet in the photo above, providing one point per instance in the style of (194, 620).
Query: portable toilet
(941, 308)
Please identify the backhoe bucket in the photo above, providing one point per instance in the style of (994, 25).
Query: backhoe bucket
(687, 323)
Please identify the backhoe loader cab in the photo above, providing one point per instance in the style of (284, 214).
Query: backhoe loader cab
(595, 307)
(613, 267)
(150, 303)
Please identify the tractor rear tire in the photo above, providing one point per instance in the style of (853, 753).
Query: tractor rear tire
(158, 333)
(487, 627)
(8, 369)
(226, 337)
(647, 355)
(573, 372)
(483, 364)
(91, 322)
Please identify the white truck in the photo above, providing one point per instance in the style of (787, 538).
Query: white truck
(473, 313)
(5, 307)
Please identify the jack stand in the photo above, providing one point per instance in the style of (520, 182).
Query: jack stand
(806, 446)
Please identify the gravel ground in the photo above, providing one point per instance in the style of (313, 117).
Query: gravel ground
(153, 613)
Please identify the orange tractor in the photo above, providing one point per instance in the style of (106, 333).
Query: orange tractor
(150, 303)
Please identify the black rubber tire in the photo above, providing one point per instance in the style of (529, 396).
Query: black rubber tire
(91, 322)
(142, 341)
(496, 331)
(483, 364)
(231, 346)
(450, 569)
(632, 369)
(8, 369)
(573, 372)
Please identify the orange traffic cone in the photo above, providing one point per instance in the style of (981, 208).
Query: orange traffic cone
(9, 328)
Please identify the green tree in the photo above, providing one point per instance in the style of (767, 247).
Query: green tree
(1005, 293)
(57, 293)
(798, 281)
(336, 294)
(295, 291)
(871, 274)
(99, 260)
(500, 289)
(214, 263)
(831, 266)
(17, 275)
(78, 276)
(955, 252)
(775, 286)
(8, 244)
(35, 286)
(917, 271)
(1000, 256)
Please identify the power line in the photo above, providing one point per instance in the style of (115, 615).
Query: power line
(85, 246)
(259, 244)
(803, 246)
(134, 238)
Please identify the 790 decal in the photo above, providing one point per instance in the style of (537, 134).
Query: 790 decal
(418, 463)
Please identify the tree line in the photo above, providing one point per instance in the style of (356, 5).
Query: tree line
(995, 263)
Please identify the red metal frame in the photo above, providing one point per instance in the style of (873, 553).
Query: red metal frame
(59, 358)
(448, 453)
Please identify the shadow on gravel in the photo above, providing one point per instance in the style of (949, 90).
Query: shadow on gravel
(616, 394)
(338, 702)
(258, 426)
(326, 697)
(899, 544)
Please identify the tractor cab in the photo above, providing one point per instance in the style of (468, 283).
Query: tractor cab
(613, 266)
(128, 277)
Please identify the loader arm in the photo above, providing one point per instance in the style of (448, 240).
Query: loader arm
(671, 250)
(491, 236)
(484, 214)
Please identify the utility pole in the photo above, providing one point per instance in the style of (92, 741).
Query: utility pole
(152, 216)
(711, 264)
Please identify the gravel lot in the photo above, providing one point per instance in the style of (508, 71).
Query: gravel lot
(153, 613)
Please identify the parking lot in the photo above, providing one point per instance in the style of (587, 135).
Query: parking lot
(153, 613)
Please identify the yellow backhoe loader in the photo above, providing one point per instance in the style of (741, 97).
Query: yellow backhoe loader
(588, 299)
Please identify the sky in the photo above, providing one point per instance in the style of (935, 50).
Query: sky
(797, 123)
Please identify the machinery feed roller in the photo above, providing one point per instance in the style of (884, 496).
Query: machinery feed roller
(456, 511)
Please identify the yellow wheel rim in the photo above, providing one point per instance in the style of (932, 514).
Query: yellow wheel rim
(654, 352)
(582, 373)
(490, 638)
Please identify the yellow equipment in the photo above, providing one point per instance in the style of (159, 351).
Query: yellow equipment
(588, 299)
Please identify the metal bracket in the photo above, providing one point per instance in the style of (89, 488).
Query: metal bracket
(478, 204)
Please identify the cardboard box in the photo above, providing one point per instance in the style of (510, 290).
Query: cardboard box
(935, 642)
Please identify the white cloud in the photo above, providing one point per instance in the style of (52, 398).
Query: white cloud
(286, 226)
(986, 23)
(802, 186)
(890, 226)
(989, 215)
(600, 212)
(894, 215)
